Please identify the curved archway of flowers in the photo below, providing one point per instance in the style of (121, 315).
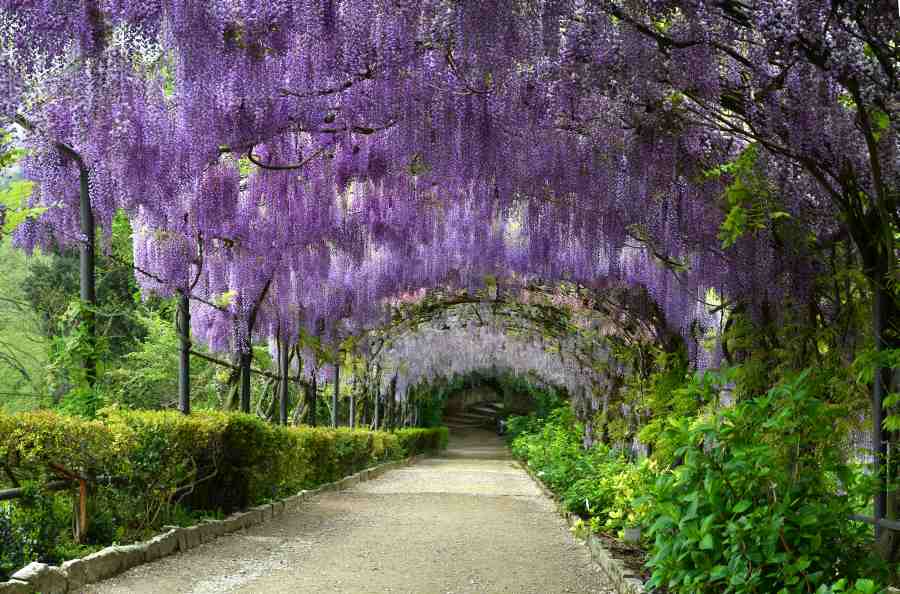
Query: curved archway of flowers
(562, 335)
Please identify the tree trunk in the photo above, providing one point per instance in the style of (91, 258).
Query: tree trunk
(877, 253)
(184, 361)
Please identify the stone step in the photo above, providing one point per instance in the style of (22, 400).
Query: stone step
(463, 424)
(469, 423)
(471, 415)
(485, 410)
(490, 404)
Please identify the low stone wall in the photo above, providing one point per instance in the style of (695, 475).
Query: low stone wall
(621, 578)
(111, 561)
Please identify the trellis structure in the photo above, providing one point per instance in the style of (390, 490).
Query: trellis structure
(290, 168)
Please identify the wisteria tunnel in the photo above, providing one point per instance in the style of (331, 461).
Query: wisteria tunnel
(630, 260)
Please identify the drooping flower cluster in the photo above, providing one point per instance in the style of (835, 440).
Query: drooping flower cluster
(299, 164)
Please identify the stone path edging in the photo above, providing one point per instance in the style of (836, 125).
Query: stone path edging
(113, 560)
(621, 578)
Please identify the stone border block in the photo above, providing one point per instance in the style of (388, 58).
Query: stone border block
(188, 538)
(162, 545)
(16, 587)
(103, 564)
(43, 578)
(264, 511)
(133, 555)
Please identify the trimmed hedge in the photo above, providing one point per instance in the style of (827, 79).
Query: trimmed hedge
(208, 461)
(414, 441)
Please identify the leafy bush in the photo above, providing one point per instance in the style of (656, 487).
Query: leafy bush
(552, 448)
(12, 543)
(143, 378)
(597, 483)
(148, 468)
(862, 586)
(415, 441)
(756, 505)
(38, 440)
(37, 528)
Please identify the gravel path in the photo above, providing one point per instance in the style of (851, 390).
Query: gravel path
(469, 521)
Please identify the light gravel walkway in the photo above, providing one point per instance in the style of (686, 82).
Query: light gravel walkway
(469, 521)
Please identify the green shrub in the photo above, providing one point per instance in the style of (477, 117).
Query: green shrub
(756, 505)
(596, 483)
(554, 451)
(38, 440)
(13, 554)
(418, 441)
(149, 468)
(149, 464)
(862, 586)
(36, 528)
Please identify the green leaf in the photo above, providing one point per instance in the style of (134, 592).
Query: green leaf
(707, 543)
(719, 572)
(225, 299)
(16, 194)
(17, 217)
(741, 506)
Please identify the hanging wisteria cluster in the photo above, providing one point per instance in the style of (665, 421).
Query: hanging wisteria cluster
(295, 166)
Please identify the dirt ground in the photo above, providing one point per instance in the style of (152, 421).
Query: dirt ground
(468, 521)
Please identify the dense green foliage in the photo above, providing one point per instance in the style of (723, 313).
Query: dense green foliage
(752, 498)
(761, 502)
(598, 483)
(151, 468)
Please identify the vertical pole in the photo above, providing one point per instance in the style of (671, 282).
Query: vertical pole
(284, 385)
(313, 392)
(183, 323)
(336, 394)
(87, 288)
(246, 359)
(377, 411)
(351, 422)
(392, 418)
(364, 413)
